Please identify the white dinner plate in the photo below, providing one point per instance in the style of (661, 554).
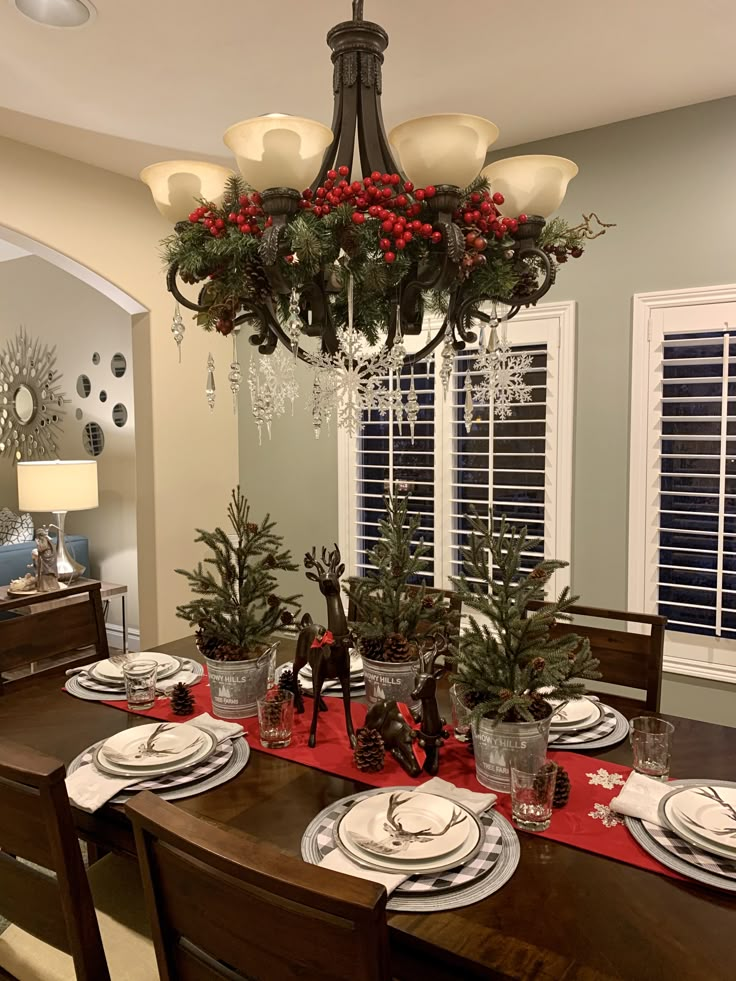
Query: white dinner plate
(369, 826)
(107, 671)
(206, 747)
(574, 727)
(689, 836)
(465, 852)
(173, 743)
(356, 667)
(573, 712)
(708, 822)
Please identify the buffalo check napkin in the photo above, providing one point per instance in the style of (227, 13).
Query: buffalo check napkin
(89, 789)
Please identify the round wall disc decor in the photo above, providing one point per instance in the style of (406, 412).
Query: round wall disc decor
(31, 401)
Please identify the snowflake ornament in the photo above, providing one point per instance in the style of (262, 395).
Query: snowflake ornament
(603, 813)
(272, 381)
(604, 778)
(502, 383)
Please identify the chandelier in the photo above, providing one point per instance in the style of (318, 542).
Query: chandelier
(294, 247)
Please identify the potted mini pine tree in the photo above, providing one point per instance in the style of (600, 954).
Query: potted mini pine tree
(237, 607)
(508, 664)
(393, 609)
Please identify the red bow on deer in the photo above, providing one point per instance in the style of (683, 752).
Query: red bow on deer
(326, 638)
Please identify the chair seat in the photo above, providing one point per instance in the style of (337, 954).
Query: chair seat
(118, 898)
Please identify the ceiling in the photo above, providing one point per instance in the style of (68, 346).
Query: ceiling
(146, 81)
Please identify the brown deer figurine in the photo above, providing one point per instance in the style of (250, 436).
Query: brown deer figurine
(398, 735)
(325, 649)
(432, 732)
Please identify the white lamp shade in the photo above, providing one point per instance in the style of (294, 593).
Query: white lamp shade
(534, 184)
(278, 150)
(177, 186)
(57, 485)
(449, 148)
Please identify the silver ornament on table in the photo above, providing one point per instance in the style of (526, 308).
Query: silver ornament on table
(468, 413)
(178, 329)
(210, 388)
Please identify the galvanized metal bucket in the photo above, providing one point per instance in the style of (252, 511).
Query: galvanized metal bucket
(236, 685)
(384, 680)
(498, 744)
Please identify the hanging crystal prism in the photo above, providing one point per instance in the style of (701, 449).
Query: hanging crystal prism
(411, 409)
(178, 329)
(235, 375)
(398, 350)
(317, 408)
(468, 413)
(210, 389)
(294, 322)
(448, 361)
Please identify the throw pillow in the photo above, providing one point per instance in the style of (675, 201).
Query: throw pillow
(15, 528)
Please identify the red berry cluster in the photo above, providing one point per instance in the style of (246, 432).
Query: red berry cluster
(393, 203)
(481, 214)
(247, 219)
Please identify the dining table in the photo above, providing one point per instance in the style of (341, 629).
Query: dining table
(565, 913)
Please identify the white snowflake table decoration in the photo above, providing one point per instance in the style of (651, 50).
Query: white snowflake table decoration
(603, 813)
(604, 778)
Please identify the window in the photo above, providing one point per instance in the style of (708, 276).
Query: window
(682, 536)
(521, 466)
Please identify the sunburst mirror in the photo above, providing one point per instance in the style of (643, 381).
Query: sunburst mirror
(31, 401)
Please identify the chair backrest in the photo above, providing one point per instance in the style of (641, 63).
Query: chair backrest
(60, 623)
(227, 906)
(628, 659)
(455, 606)
(36, 825)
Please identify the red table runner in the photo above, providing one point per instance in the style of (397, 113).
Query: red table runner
(582, 823)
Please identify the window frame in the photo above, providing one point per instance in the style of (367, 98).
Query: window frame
(555, 325)
(655, 315)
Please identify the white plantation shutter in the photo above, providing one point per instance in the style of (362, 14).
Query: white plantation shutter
(521, 466)
(682, 539)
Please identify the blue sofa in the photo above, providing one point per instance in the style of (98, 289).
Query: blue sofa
(15, 559)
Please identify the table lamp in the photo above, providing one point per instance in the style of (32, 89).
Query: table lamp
(59, 486)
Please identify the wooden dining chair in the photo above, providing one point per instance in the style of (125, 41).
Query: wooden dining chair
(627, 659)
(58, 625)
(47, 894)
(226, 906)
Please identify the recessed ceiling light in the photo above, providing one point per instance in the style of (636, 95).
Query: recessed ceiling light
(57, 13)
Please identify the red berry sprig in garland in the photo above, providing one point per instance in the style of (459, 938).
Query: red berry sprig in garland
(246, 219)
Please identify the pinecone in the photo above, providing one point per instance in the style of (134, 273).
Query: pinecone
(369, 754)
(562, 787)
(256, 275)
(286, 682)
(287, 618)
(539, 706)
(398, 650)
(182, 700)
(372, 648)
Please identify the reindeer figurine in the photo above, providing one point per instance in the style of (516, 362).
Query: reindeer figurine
(432, 732)
(326, 650)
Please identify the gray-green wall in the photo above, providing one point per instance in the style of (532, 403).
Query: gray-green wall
(668, 181)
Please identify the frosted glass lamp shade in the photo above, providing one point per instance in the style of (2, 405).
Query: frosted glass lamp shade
(534, 184)
(57, 485)
(449, 148)
(177, 186)
(278, 150)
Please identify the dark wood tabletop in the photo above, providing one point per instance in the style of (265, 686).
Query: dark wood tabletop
(565, 914)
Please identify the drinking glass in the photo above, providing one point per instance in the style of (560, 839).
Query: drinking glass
(140, 682)
(651, 744)
(460, 713)
(275, 718)
(531, 797)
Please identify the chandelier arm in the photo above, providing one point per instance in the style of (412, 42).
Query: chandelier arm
(429, 347)
(373, 145)
(173, 288)
(532, 252)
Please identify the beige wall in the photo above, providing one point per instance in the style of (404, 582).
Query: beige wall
(186, 456)
(667, 180)
(63, 312)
